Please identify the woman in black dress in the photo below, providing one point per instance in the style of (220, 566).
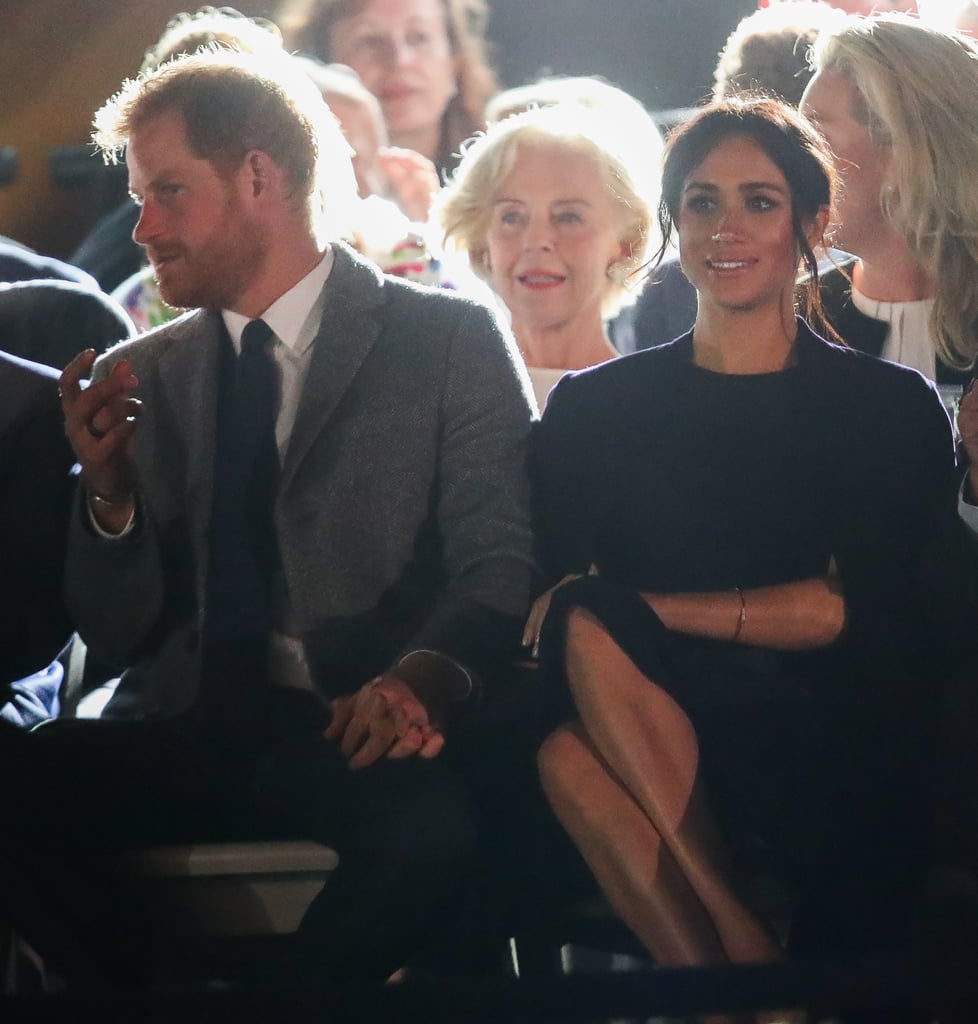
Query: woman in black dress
(748, 508)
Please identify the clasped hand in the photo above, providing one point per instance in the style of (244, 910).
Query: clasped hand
(383, 718)
(534, 621)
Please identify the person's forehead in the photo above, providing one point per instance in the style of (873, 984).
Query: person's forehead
(390, 11)
(158, 134)
(866, 7)
(738, 156)
(158, 147)
(830, 96)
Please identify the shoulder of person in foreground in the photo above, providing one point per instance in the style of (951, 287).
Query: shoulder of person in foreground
(35, 465)
(30, 408)
(50, 321)
(19, 263)
(25, 373)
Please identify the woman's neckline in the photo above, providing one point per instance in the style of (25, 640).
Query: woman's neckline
(791, 360)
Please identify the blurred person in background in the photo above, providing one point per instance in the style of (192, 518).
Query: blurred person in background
(864, 7)
(959, 14)
(403, 176)
(424, 60)
(768, 50)
(897, 100)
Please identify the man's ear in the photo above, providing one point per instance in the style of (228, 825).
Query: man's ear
(260, 172)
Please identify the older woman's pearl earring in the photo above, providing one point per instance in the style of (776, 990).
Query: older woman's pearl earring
(617, 271)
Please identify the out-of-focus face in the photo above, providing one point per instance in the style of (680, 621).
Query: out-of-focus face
(204, 246)
(959, 14)
(401, 51)
(364, 130)
(874, 6)
(736, 241)
(830, 102)
(554, 230)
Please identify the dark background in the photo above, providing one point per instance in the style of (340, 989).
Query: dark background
(60, 60)
(662, 51)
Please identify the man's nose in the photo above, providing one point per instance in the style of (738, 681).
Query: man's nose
(148, 225)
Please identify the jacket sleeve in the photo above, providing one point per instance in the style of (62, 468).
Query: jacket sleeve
(907, 572)
(116, 590)
(483, 501)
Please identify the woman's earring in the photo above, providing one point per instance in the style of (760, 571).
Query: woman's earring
(617, 271)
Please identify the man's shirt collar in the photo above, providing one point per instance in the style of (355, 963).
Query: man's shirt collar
(295, 316)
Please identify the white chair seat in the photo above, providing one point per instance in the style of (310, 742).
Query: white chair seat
(233, 889)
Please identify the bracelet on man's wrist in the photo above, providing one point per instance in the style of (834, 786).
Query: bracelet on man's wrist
(105, 501)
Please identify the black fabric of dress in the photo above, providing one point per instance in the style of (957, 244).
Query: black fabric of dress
(671, 478)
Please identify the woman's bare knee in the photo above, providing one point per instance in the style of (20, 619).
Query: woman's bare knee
(563, 758)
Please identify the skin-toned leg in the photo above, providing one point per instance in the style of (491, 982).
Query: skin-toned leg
(635, 870)
(625, 852)
(649, 745)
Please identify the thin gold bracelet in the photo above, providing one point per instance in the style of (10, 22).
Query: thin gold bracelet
(742, 618)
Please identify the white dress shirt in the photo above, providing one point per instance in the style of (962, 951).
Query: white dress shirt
(294, 318)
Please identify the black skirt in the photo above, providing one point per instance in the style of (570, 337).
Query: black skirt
(791, 760)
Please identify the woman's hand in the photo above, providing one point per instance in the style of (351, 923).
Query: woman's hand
(413, 180)
(383, 719)
(534, 621)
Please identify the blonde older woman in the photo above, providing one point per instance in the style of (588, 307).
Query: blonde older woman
(555, 209)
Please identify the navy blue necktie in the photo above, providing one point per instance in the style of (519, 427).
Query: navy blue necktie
(257, 391)
(242, 546)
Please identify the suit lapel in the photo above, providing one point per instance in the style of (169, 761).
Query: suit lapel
(349, 328)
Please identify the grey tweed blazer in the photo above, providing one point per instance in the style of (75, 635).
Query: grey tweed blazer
(403, 507)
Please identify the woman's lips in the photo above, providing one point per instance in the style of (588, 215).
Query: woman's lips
(540, 279)
(729, 266)
(392, 93)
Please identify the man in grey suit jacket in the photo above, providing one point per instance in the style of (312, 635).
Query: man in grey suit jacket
(394, 571)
